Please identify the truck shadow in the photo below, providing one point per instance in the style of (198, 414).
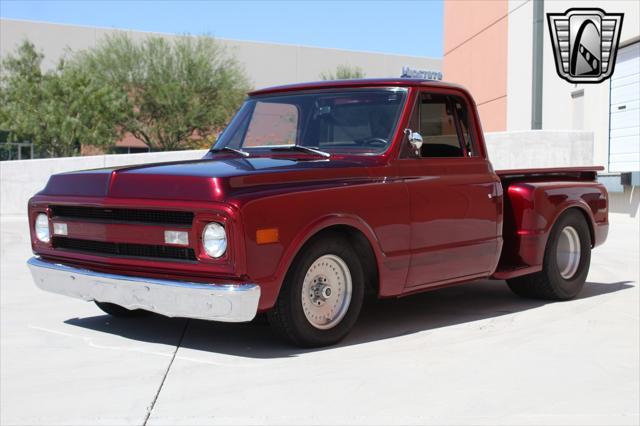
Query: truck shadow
(379, 320)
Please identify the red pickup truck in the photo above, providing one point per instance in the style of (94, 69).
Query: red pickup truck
(313, 196)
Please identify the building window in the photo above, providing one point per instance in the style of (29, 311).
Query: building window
(14, 150)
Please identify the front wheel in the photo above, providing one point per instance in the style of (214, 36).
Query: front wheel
(566, 262)
(321, 296)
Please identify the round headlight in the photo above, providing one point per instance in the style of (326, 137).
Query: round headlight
(42, 228)
(214, 239)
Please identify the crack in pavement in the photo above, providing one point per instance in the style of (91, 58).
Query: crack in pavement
(166, 373)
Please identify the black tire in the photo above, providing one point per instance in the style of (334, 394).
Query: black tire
(118, 311)
(549, 283)
(288, 318)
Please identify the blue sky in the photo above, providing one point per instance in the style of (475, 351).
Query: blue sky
(401, 27)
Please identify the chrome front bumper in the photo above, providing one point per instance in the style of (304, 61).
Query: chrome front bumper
(215, 302)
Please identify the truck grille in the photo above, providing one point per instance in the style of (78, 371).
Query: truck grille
(123, 215)
(125, 249)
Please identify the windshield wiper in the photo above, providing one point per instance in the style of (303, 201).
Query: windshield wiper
(305, 149)
(226, 148)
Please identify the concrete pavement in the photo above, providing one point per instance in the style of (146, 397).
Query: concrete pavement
(468, 354)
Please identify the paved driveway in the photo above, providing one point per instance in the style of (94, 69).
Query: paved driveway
(468, 354)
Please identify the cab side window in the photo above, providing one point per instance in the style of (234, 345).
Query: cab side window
(438, 128)
(442, 121)
(462, 113)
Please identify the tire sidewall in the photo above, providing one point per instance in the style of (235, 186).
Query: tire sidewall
(568, 288)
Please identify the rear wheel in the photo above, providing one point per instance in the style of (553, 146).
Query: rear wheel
(566, 262)
(321, 297)
(118, 311)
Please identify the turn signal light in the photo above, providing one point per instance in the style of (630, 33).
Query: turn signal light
(266, 236)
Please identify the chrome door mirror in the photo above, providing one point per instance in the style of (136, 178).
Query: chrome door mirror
(415, 139)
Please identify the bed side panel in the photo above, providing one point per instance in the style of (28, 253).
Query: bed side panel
(531, 209)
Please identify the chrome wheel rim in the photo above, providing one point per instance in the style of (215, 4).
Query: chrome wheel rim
(568, 252)
(326, 292)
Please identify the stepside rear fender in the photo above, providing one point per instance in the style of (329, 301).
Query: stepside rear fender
(531, 209)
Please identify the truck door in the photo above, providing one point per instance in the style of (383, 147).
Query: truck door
(453, 194)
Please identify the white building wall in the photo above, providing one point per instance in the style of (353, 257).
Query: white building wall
(519, 65)
(530, 149)
(559, 109)
(266, 64)
(556, 98)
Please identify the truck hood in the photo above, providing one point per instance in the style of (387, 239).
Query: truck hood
(201, 180)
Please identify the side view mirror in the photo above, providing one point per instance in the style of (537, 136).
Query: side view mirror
(415, 139)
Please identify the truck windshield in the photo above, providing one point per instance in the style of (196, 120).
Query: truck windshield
(351, 122)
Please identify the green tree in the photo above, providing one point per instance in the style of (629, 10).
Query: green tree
(59, 110)
(343, 72)
(180, 90)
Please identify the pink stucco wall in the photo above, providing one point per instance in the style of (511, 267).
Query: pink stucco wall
(475, 55)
